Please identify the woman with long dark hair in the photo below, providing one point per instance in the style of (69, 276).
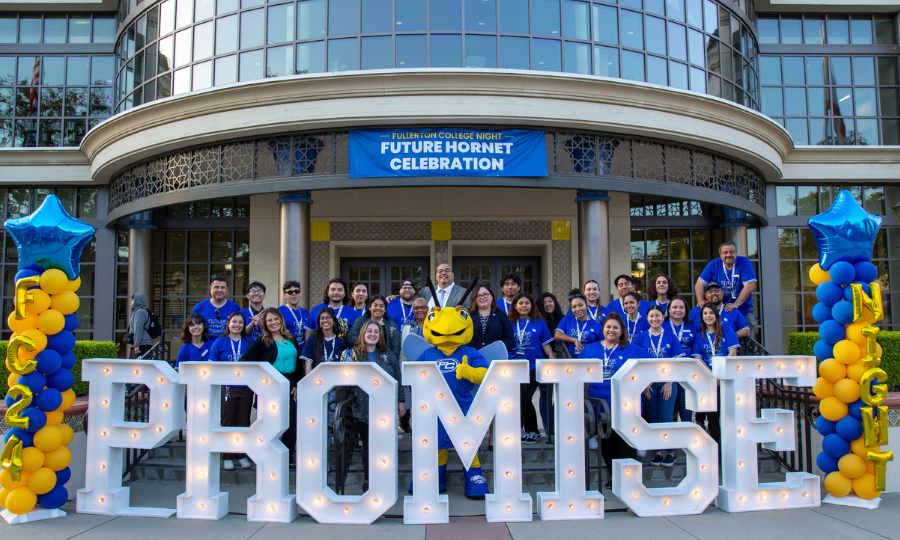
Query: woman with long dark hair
(195, 343)
(237, 400)
(634, 322)
(489, 322)
(532, 341)
(377, 312)
(661, 290)
(712, 340)
(596, 310)
(323, 345)
(576, 329)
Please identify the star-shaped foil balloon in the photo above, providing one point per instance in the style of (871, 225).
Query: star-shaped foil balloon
(50, 238)
(845, 232)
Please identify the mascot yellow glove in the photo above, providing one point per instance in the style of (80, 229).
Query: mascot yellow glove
(465, 371)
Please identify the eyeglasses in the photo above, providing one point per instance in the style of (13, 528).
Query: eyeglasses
(256, 292)
(483, 296)
(292, 292)
(444, 271)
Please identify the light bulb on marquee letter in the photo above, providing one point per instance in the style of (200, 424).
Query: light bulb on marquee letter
(742, 430)
(109, 434)
(570, 377)
(202, 498)
(698, 489)
(507, 502)
(313, 493)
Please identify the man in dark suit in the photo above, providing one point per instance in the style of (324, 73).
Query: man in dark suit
(449, 294)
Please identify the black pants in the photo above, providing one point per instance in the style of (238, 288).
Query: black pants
(615, 447)
(362, 431)
(236, 411)
(142, 348)
(289, 438)
(526, 392)
(712, 419)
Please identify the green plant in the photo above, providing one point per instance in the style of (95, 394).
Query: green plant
(82, 350)
(802, 343)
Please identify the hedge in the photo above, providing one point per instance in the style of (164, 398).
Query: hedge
(802, 343)
(82, 350)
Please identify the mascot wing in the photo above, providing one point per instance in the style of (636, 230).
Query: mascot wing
(494, 351)
(415, 346)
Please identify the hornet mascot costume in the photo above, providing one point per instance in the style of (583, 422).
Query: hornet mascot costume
(447, 331)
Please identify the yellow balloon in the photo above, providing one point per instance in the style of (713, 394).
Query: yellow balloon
(67, 434)
(855, 371)
(868, 317)
(870, 467)
(40, 339)
(846, 390)
(852, 466)
(3, 494)
(12, 380)
(20, 325)
(74, 284)
(54, 281)
(859, 448)
(864, 487)
(40, 303)
(846, 351)
(21, 500)
(10, 484)
(51, 321)
(817, 275)
(42, 481)
(65, 302)
(854, 333)
(55, 418)
(47, 439)
(838, 485)
(68, 399)
(823, 389)
(831, 408)
(58, 459)
(832, 371)
(32, 459)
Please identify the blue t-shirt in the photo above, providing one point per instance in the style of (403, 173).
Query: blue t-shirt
(400, 313)
(684, 333)
(665, 345)
(586, 331)
(461, 388)
(703, 345)
(257, 331)
(617, 307)
(190, 353)
(597, 313)
(346, 317)
(226, 349)
(295, 320)
(732, 281)
(331, 349)
(633, 328)
(612, 360)
(730, 319)
(663, 305)
(531, 336)
(504, 305)
(216, 322)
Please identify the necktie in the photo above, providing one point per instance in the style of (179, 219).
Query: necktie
(441, 293)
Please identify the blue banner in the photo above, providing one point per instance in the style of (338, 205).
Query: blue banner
(447, 152)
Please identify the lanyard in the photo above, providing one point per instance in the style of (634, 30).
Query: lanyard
(656, 349)
(403, 311)
(520, 332)
(630, 330)
(579, 331)
(731, 277)
(338, 312)
(678, 332)
(607, 355)
(712, 347)
(294, 315)
(329, 356)
(236, 353)
(593, 315)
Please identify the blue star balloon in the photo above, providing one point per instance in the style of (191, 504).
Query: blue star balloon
(50, 238)
(845, 232)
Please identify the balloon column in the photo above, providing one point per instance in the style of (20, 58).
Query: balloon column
(851, 386)
(35, 458)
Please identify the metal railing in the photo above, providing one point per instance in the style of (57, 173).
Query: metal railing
(137, 404)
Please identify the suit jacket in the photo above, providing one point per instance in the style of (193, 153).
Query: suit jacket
(499, 328)
(455, 297)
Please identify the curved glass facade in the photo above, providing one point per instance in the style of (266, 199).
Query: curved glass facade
(178, 46)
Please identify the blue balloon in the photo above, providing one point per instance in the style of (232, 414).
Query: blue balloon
(34, 380)
(849, 428)
(62, 380)
(825, 426)
(842, 272)
(848, 291)
(54, 498)
(822, 313)
(827, 463)
(842, 312)
(51, 238)
(854, 409)
(71, 322)
(866, 272)
(48, 361)
(36, 419)
(63, 476)
(68, 360)
(844, 232)
(27, 272)
(832, 331)
(48, 400)
(61, 342)
(835, 446)
(823, 350)
(829, 293)
(26, 438)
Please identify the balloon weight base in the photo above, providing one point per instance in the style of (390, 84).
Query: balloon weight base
(852, 500)
(34, 515)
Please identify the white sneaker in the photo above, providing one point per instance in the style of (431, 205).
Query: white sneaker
(228, 465)
(244, 463)
(532, 437)
(641, 453)
(592, 443)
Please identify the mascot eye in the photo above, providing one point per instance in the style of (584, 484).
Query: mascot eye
(464, 314)
(431, 317)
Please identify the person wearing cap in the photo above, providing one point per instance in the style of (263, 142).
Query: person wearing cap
(736, 277)
(730, 319)
(400, 308)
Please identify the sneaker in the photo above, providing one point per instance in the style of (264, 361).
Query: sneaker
(641, 453)
(532, 437)
(669, 460)
(592, 443)
(244, 463)
(657, 460)
(228, 465)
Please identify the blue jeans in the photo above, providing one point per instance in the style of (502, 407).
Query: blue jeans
(659, 409)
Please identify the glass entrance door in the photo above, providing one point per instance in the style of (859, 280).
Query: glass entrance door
(491, 271)
(384, 276)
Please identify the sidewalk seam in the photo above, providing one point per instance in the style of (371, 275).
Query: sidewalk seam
(682, 528)
(848, 523)
(94, 527)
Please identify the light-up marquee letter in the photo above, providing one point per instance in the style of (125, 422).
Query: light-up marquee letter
(207, 439)
(570, 500)
(109, 434)
(698, 489)
(497, 398)
(313, 493)
(742, 430)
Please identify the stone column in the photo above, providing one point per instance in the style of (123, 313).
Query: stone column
(593, 239)
(293, 255)
(140, 256)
